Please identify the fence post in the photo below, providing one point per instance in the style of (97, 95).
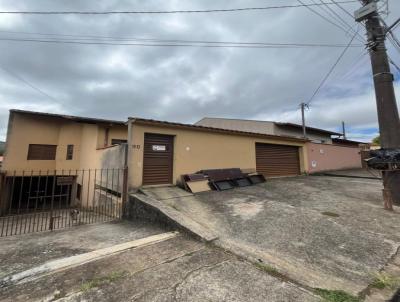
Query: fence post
(124, 191)
(51, 221)
(125, 172)
(2, 193)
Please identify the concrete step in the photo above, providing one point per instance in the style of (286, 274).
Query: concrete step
(148, 208)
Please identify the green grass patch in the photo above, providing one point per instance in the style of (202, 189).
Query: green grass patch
(266, 268)
(96, 282)
(384, 280)
(331, 214)
(336, 295)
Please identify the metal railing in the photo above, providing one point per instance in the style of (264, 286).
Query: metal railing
(35, 201)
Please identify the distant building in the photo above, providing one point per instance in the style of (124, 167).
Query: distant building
(268, 127)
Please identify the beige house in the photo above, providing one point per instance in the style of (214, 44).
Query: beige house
(158, 152)
(62, 170)
(44, 141)
(267, 127)
(52, 158)
(324, 152)
(60, 161)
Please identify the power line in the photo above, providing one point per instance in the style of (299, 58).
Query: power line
(343, 9)
(334, 14)
(27, 83)
(329, 10)
(320, 15)
(165, 12)
(394, 64)
(110, 38)
(356, 62)
(346, 24)
(331, 70)
(197, 44)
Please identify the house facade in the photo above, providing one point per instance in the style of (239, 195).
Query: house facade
(160, 152)
(54, 163)
(42, 141)
(58, 159)
(44, 149)
(267, 127)
(325, 151)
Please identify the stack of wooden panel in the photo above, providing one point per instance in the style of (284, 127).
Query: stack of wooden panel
(220, 179)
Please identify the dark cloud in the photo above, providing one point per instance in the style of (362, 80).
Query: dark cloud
(185, 84)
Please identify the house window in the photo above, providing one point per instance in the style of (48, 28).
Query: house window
(42, 152)
(70, 152)
(118, 141)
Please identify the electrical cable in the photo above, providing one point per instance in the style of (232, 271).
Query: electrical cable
(322, 16)
(347, 25)
(331, 70)
(163, 12)
(105, 38)
(260, 46)
(28, 83)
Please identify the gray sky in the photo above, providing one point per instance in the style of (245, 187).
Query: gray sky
(187, 83)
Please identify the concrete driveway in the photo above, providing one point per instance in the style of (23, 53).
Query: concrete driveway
(174, 269)
(318, 231)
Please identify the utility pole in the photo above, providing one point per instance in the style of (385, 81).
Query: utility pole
(303, 119)
(388, 115)
(343, 130)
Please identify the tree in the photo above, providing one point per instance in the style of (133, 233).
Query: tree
(377, 140)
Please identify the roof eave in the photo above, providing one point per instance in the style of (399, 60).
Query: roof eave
(136, 120)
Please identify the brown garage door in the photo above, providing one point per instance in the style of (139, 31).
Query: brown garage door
(157, 159)
(277, 160)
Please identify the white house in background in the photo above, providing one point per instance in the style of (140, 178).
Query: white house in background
(267, 127)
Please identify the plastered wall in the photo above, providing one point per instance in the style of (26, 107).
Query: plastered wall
(324, 157)
(196, 150)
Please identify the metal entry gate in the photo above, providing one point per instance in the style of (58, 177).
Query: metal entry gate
(37, 201)
(277, 160)
(157, 159)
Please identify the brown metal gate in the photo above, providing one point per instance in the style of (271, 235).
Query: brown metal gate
(277, 160)
(34, 201)
(157, 159)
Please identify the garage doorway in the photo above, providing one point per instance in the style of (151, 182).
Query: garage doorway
(158, 159)
(277, 160)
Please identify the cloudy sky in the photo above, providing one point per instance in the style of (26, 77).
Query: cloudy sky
(186, 83)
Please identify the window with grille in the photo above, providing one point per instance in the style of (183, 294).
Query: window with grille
(42, 152)
(70, 152)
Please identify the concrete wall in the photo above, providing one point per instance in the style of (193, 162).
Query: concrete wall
(325, 157)
(195, 150)
(112, 161)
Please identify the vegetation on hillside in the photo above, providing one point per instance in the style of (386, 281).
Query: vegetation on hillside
(2, 145)
(376, 140)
